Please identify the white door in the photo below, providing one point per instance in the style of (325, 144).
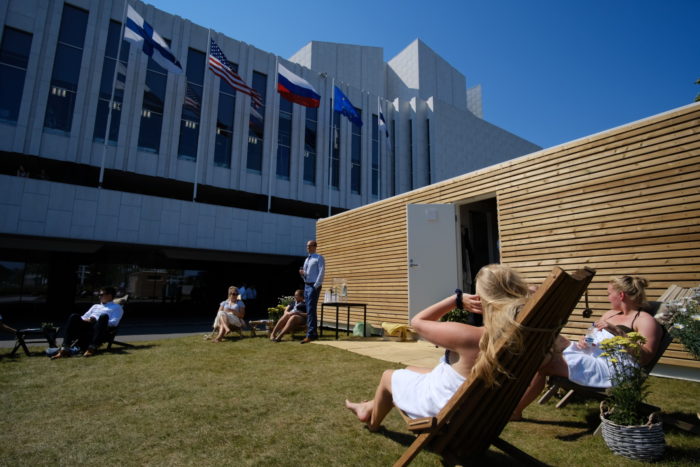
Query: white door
(433, 260)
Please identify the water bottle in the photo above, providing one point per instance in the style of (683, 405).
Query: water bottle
(590, 341)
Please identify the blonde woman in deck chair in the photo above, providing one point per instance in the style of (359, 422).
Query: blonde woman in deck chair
(229, 316)
(582, 362)
(422, 392)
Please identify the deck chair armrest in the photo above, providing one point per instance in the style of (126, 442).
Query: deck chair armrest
(418, 425)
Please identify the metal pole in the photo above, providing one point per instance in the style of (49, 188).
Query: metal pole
(111, 96)
(201, 108)
(275, 129)
(380, 137)
(330, 147)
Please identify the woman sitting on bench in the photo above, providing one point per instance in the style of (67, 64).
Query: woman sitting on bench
(422, 392)
(581, 362)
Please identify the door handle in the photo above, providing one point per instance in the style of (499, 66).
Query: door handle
(411, 264)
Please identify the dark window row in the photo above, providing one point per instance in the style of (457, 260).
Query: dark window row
(118, 180)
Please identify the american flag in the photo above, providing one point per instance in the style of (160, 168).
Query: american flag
(222, 68)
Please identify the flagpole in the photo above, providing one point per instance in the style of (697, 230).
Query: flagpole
(196, 162)
(275, 128)
(330, 147)
(111, 96)
(379, 148)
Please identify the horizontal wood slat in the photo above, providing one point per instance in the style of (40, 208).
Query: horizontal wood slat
(626, 201)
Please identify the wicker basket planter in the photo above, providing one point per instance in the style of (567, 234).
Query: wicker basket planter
(641, 442)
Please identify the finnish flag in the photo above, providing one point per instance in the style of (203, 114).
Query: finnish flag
(139, 31)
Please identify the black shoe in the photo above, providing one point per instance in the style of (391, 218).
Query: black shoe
(308, 339)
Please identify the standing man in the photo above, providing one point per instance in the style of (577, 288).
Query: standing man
(312, 273)
(91, 328)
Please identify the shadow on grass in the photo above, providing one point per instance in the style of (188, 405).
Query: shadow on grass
(684, 417)
(682, 454)
(491, 457)
(556, 422)
(404, 439)
(125, 350)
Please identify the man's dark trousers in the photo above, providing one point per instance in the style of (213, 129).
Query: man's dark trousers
(88, 334)
(311, 298)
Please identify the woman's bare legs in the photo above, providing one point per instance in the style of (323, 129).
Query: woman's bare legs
(223, 328)
(373, 412)
(280, 325)
(556, 366)
(293, 321)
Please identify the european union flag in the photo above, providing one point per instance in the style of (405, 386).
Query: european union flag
(343, 105)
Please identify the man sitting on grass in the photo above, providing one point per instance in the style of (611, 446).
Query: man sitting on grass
(91, 329)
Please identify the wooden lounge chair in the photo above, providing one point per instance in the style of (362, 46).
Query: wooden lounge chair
(474, 417)
(557, 383)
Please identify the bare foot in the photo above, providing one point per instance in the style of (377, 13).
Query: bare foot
(363, 411)
(62, 353)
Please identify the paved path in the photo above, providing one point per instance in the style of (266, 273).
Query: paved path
(416, 353)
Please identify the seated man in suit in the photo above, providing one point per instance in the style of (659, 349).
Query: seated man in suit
(91, 329)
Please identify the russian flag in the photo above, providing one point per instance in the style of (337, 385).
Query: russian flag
(296, 89)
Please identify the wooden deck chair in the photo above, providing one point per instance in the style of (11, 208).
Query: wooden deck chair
(557, 383)
(474, 417)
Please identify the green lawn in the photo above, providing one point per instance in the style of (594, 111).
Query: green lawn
(187, 401)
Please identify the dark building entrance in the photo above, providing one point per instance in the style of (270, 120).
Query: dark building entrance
(44, 280)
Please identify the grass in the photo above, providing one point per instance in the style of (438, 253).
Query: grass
(251, 402)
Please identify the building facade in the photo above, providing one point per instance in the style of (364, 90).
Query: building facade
(181, 168)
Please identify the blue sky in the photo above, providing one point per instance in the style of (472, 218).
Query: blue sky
(551, 70)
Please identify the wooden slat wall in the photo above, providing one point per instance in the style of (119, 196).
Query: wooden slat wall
(626, 201)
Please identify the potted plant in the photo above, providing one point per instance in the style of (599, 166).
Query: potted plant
(275, 313)
(456, 315)
(627, 430)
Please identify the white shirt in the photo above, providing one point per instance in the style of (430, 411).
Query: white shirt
(112, 310)
(313, 269)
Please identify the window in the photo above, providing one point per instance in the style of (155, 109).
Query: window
(256, 126)
(335, 153)
(224, 123)
(310, 145)
(66, 69)
(375, 156)
(23, 282)
(152, 110)
(284, 140)
(192, 106)
(108, 67)
(356, 157)
(14, 56)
